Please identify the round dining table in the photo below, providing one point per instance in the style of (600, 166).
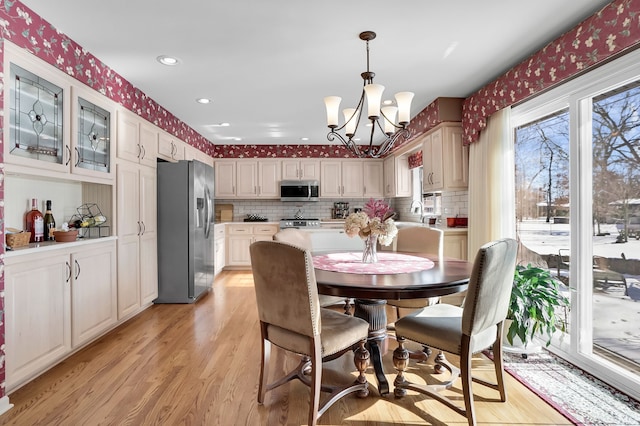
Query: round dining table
(395, 276)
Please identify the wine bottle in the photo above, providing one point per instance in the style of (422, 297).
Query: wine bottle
(49, 223)
(35, 223)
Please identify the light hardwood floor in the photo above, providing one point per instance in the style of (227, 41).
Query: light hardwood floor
(198, 365)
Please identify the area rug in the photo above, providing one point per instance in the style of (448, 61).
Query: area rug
(580, 397)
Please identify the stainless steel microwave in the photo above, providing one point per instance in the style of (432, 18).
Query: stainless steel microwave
(299, 190)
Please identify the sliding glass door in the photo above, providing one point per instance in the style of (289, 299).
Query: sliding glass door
(577, 155)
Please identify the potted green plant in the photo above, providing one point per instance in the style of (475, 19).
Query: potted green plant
(535, 303)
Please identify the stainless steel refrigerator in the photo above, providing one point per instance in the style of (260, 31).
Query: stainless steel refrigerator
(185, 231)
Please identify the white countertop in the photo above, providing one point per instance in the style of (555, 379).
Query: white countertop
(53, 245)
(338, 224)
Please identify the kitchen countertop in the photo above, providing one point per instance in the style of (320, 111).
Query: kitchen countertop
(327, 224)
(53, 245)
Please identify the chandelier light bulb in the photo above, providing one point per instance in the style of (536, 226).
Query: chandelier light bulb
(389, 114)
(332, 104)
(374, 97)
(350, 120)
(403, 100)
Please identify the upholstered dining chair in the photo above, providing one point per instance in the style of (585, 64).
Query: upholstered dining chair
(302, 239)
(418, 239)
(463, 331)
(292, 319)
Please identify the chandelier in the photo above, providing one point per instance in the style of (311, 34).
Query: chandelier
(383, 118)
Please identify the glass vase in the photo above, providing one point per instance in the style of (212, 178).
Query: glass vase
(370, 252)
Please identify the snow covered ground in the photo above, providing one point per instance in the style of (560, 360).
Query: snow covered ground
(547, 238)
(616, 317)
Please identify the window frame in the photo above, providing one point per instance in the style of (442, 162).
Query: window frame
(576, 95)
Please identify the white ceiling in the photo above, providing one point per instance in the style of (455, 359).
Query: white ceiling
(267, 65)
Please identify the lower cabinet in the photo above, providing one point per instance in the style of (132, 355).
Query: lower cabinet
(240, 237)
(219, 247)
(455, 244)
(55, 302)
(94, 300)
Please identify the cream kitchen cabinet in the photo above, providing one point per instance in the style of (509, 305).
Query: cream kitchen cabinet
(94, 300)
(445, 159)
(169, 148)
(248, 179)
(219, 247)
(193, 153)
(137, 139)
(258, 178)
(455, 243)
(225, 174)
(241, 236)
(373, 179)
(137, 237)
(397, 177)
(331, 179)
(72, 128)
(37, 314)
(300, 169)
(346, 178)
(56, 301)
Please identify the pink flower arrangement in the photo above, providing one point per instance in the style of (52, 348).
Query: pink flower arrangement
(374, 219)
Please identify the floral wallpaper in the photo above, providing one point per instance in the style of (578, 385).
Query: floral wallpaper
(288, 151)
(415, 159)
(608, 33)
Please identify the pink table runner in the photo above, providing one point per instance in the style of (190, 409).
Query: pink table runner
(388, 263)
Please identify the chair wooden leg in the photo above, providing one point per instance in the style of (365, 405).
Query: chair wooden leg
(316, 378)
(465, 373)
(441, 359)
(498, 363)
(347, 306)
(400, 362)
(264, 367)
(361, 360)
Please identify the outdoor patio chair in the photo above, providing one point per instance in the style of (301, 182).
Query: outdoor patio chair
(604, 277)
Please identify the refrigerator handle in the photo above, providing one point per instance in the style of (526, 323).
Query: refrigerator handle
(207, 212)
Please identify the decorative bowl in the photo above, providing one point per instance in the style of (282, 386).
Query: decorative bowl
(65, 236)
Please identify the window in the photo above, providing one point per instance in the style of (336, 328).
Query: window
(577, 155)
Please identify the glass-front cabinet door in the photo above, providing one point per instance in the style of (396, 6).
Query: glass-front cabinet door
(37, 119)
(55, 123)
(92, 132)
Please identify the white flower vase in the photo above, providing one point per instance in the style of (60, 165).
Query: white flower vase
(370, 252)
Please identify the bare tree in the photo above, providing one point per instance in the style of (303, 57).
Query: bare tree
(616, 154)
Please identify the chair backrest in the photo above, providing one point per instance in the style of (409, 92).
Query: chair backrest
(285, 286)
(489, 291)
(420, 239)
(294, 237)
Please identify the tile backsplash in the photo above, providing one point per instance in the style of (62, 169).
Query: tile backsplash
(455, 202)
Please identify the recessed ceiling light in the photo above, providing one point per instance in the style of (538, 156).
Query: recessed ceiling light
(237, 139)
(387, 102)
(304, 139)
(203, 100)
(167, 60)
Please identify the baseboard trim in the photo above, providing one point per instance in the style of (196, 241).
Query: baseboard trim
(5, 405)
